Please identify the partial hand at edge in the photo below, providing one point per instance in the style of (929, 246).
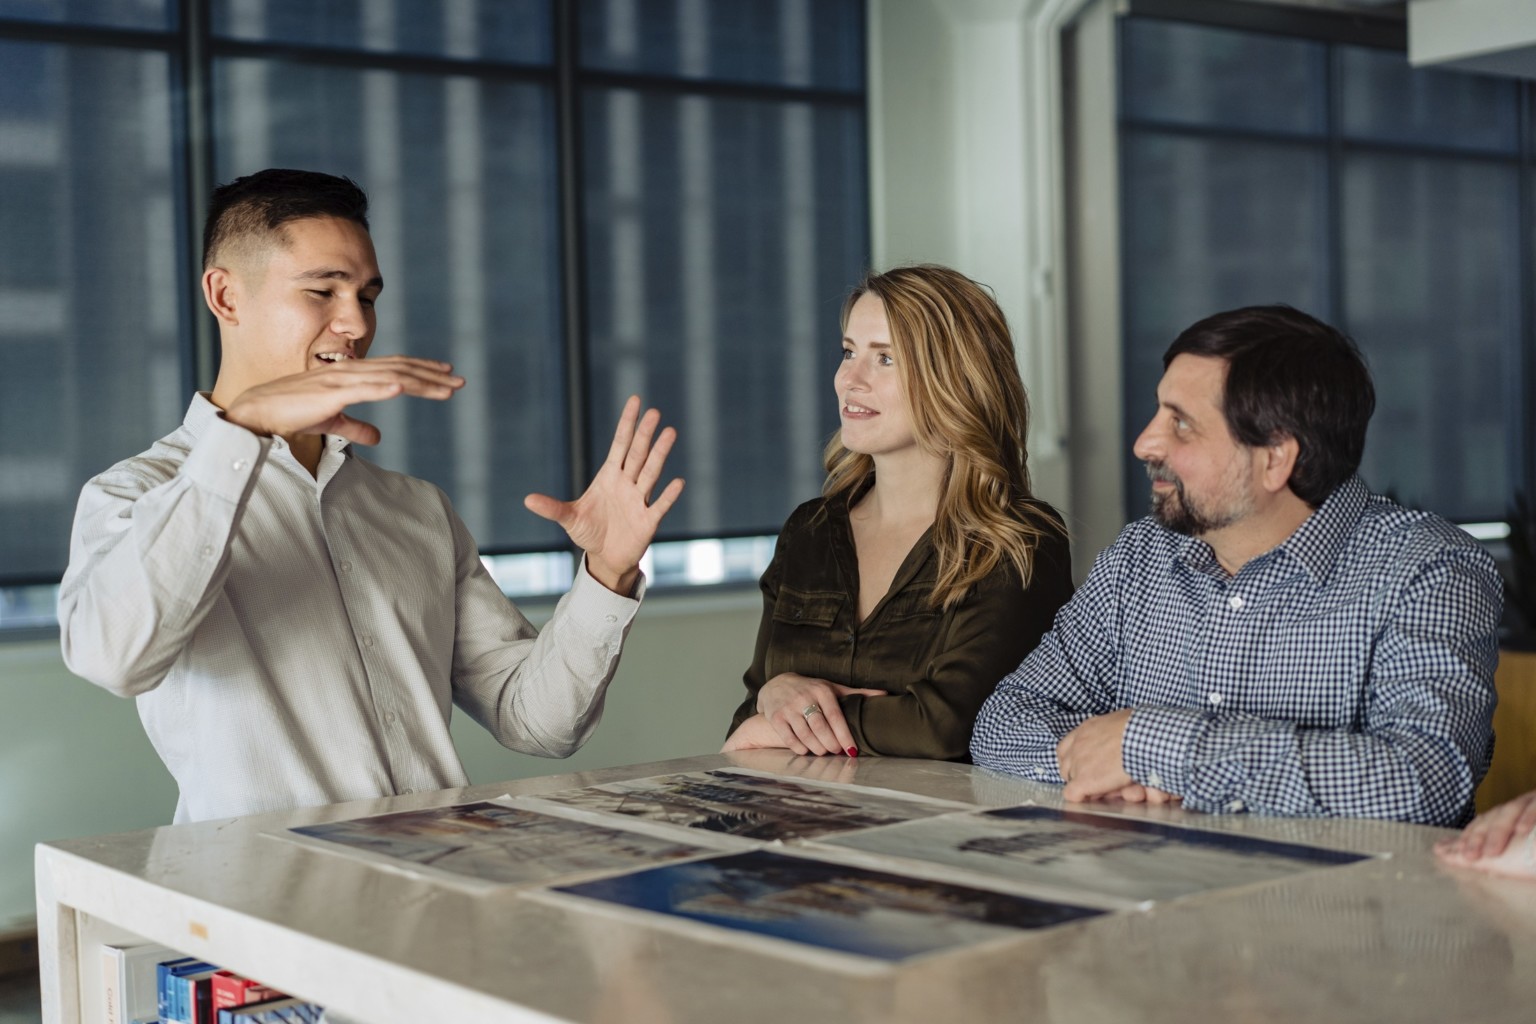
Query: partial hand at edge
(1489, 833)
(615, 519)
(313, 402)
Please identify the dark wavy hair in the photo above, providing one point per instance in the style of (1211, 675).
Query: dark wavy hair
(253, 208)
(1290, 375)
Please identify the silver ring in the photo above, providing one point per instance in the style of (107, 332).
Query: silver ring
(811, 710)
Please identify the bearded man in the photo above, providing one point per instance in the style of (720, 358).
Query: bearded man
(1273, 638)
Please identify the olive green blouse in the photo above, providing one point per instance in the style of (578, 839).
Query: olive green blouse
(940, 664)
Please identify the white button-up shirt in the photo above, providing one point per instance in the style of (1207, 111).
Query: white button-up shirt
(296, 640)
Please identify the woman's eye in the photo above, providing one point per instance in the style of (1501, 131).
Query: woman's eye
(886, 360)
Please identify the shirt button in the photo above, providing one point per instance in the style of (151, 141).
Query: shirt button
(207, 550)
(1235, 806)
(406, 792)
(367, 641)
(389, 716)
(1154, 780)
(237, 465)
(1235, 602)
(611, 618)
(346, 566)
(1214, 698)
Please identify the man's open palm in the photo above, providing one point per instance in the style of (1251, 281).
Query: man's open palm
(615, 520)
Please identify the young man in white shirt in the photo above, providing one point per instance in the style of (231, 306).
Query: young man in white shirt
(295, 622)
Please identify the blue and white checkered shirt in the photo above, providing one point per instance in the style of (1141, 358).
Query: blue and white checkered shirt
(1347, 672)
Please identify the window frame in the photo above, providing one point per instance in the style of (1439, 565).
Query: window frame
(1335, 30)
(193, 48)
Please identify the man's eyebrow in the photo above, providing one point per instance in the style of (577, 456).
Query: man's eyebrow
(1178, 411)
(333, 274)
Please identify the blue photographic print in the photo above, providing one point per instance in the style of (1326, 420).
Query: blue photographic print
(849, 909)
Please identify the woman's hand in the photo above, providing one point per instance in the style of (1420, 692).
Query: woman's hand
(1490, 833)
(753, 734)
(805, 716)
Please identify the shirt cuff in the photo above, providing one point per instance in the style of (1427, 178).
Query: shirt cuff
(224, 459)
(1157, 746)
(601, 606)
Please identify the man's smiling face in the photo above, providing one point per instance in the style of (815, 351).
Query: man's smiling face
(1203, 478)
(306, 300)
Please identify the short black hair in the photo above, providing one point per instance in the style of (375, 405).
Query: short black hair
(1290, 375)
(259, 204)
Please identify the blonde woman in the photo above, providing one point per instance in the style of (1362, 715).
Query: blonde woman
(926, 571)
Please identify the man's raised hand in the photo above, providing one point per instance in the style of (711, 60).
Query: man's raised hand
(615, 520)
(314, 402)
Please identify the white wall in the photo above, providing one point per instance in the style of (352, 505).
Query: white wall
(967, 169)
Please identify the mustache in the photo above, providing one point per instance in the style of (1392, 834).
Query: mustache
(1159, 472)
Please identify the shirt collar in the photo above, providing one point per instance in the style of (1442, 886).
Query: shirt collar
(1317, 543)
(1315, 546)
(200, 413)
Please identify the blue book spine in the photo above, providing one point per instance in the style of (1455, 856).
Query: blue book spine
(163, 986)
(183, 999)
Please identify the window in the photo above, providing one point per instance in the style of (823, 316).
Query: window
(571, 201)
(1391, 202)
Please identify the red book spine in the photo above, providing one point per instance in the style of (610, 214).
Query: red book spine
(229, 989)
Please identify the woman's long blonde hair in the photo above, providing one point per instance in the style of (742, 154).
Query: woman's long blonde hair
(968, 406)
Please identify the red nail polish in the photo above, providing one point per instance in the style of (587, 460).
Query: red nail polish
(853, 751)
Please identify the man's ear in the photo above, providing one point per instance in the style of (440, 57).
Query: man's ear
(1278, 461)
(221, 293)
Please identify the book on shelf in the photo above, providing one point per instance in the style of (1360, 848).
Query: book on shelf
(274, 1011)
(185, 990)
(230, 989)
(128, 981)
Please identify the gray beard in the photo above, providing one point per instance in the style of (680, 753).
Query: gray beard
(1173, 511)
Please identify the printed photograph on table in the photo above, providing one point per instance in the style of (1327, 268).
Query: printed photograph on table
(490, 844)
(1097, 858)
(854, 910)
(747, 805)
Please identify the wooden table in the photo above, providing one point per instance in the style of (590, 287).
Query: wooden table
(1387, 939)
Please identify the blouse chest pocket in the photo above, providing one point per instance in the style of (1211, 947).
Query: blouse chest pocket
(808, 607)
(914, 602)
